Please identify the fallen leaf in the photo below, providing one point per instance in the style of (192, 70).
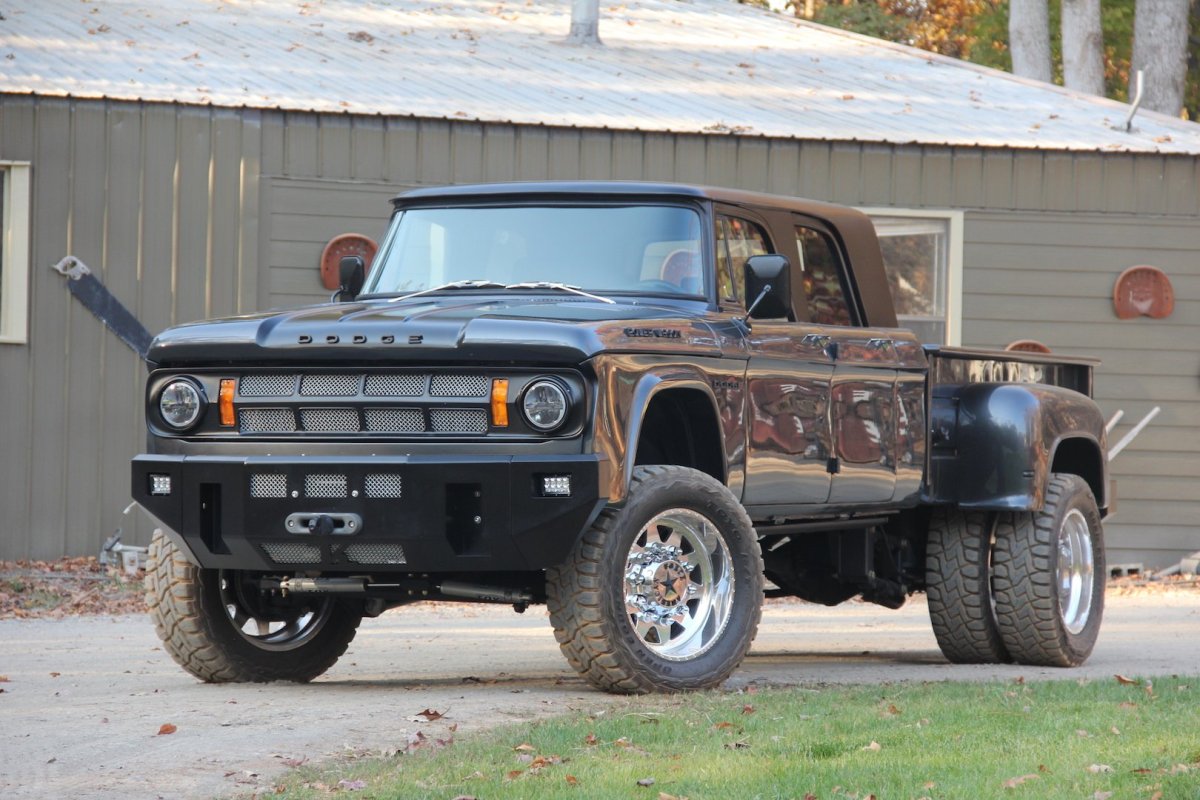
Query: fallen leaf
(720, 726)
(3, 679)
(928, 785)
(747, 709)
(166, 729)
(352, 786)
(1013, 783)
(1115, 730)
(892, 710)
(590, 739)
(847, 97)
(295, 762)
(1099, 768)
(1149, 688)
(810, 796)
(1082, 734)
(1102, 795)
(1142, 771)
(874, 747)
(1121, 679)
(1019, 680)
(55, 674)
(665, 796)
(430, 715)
(1156, 796)
(1127, 705)
(514, 774)
(525, 748)
(739, 745)
(572, 780)
(646, 782)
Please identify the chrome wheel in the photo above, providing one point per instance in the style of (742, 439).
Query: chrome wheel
(1076, 571)
(679, 584)
(270, 628)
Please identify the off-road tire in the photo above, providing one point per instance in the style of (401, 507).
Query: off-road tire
(958, 586)
(1025, 580)
(586, 600)
(185, 604)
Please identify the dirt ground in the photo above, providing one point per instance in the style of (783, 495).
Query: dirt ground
(83, 698)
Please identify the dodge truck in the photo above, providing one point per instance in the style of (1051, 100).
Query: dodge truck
(646, 406)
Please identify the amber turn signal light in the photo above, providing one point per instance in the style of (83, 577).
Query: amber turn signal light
(228, 418)
(500, 402)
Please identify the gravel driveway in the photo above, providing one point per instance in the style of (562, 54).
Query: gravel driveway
(86, 696)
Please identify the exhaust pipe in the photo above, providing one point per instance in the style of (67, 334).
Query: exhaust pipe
(458, 589)
(485, 594)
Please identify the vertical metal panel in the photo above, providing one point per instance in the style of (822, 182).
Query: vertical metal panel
(253, 135)
(596, 155)
(156, 267)
(1028, 180)
(433, 152)
(333, 145)
(906, 178)
(366, 155)
(1149, 184)
(533, 153)
(1182, 194)
(814, 170)
(499, 153)
(997, 179)
(400, 151)
(968, 178)
(783, 168)
(721, 161)
(937, 181)
(1118, 183)
(876, 175)
(691, 157)
(466, 154)
(845, 173)
(301, 144)
(1058, 177)
(563, 154)
(659, 157)
(192, 192)
(17, 143)
(628, 164)
(273, 142)
(224, 214)
(752, 158)
(1089, 182)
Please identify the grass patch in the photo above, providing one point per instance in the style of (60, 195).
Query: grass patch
(1063, 739)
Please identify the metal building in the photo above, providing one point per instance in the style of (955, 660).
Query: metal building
(199, 156)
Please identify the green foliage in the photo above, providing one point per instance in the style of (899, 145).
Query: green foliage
(999, 740)
(868, 19)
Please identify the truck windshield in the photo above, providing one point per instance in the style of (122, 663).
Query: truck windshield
(610, 249)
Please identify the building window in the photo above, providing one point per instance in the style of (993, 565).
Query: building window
(14, 252)
(922, 254)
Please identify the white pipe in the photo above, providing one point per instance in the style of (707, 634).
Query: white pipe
(1127, 438)
(585, 22)
(1112, 423)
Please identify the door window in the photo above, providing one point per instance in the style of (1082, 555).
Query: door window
(821, 277)
(737, 240)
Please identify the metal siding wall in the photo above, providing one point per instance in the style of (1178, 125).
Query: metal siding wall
(151, 197)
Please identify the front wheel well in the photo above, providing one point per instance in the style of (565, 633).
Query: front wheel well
(681, 428)
(1082, 457)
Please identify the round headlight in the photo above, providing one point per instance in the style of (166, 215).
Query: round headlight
(545, 405)
(180, 404)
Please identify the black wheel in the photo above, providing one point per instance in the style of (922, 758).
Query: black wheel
(958, 567)
(218, 627)
(1049, 577)
(664, 594)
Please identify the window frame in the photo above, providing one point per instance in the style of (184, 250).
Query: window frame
(14, 260)
(954, 258)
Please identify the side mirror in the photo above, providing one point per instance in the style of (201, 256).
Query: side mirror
(352, 273)
(768, 287)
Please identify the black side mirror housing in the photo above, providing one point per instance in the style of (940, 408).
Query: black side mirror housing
(352, 274)
(773, 274)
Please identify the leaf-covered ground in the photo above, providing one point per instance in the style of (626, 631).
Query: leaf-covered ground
(68, 586)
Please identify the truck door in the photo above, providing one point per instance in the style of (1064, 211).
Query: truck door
(788, 379)
(863, 387)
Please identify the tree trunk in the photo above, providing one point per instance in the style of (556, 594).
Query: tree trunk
(1082, 46)
(1029, 38)
(1160, 34)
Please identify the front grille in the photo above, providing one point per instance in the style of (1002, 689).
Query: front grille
(395, 385)
(458, 420)
(265, 485)
(361, 553)
(383, 486)
(458, 386)
(330, 420)
(395, 420)
(267, 385)
(267, 420)
(325, 486)
(330, 385)
(292, 552)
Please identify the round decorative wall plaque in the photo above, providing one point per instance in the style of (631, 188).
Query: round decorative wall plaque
(347, 244)
(1027, 346)
(1143, 291)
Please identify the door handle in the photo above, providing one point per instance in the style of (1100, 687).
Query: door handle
(880, 344)
(823, 341)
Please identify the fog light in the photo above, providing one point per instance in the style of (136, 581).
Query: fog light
(556, 486)
(160, 485)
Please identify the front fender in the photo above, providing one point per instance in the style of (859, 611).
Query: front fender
(998, 450)
(625, 385)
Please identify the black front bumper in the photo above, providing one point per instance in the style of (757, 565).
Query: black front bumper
(376, 514)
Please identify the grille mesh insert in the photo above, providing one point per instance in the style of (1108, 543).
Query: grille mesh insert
(325, 486)
(267, 420)
(395, 385)
(458, 420)
(268, 485)
(395, 420)
(330, 385)
(361, 553)
(267, 385)
(292, 552)
(383, 486)
(339, 420)
(458, 386)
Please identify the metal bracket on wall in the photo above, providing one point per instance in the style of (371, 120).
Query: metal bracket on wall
(88, 290)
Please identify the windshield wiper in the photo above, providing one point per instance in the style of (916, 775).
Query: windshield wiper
(562, 287)
(471, 284)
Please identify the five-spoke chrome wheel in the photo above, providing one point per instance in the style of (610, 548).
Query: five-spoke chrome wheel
(678, 584)
(1076, 571)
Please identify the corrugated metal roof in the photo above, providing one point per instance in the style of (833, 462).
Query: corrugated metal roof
(687, 66)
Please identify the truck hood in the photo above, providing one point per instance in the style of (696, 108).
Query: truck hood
(541, 328)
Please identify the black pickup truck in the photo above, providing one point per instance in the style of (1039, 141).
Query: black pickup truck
(644, 405)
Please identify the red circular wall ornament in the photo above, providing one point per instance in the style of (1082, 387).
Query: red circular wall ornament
(347, 244)
(1143, 291)
(1027, 346)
